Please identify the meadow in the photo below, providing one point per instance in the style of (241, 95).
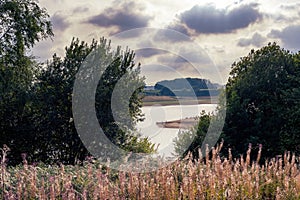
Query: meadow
(210, 177)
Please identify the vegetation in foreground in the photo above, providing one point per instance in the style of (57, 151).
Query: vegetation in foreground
(209, 177)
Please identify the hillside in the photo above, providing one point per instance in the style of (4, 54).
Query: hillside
(184, 87)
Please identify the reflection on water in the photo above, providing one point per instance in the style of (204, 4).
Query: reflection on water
(165, 136)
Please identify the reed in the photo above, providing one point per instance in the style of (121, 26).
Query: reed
(211, 177)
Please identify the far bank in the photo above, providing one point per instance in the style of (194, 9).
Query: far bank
(170, 100)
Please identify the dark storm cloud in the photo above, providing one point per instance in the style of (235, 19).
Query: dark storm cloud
(59, 22)
(208, 19)
(256, 40)
(289, 36)
(124, 16)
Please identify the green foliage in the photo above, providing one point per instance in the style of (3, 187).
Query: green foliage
(22, 24)
(262, 96)
(36, 100)
(191, 140)
(16, 128)
(57, 135)
(262, 106)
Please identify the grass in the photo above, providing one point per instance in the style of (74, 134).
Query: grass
(207, 178)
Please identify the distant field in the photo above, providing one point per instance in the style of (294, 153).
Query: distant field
(168, 100)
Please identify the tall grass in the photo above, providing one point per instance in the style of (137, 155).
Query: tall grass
(207, 178)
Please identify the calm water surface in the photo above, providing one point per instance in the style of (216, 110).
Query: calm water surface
(165, 136)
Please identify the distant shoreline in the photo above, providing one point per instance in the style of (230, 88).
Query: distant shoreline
(186, 123)
(169, 100)
(179, 124)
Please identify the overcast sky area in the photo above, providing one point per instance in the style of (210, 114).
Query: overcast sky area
(175, 38)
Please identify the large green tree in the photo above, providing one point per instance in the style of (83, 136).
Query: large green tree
(57, 136)
(36, 100)
(263, 104)
(22, 24)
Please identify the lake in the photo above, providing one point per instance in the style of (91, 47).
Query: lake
(165, 136)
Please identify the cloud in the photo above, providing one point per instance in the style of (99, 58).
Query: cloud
(218, 49)
(148, 52)
(285, 13)
(130, 33)
(290, 7)
(179, 28)
(59, 22)
(124, 16)
(81, 10)
(208, 19)
(289, 36)
(256, 40)
(174, 33)
(185, 59)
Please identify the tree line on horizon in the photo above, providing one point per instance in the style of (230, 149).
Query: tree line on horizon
(185, 87)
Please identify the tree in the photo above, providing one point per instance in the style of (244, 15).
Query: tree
(22, 24)
(57, 136)
(262, 106)
(262, 96)
(187, 87)
(190, 141)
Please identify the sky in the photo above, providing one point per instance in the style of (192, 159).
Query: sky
(175, 38)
